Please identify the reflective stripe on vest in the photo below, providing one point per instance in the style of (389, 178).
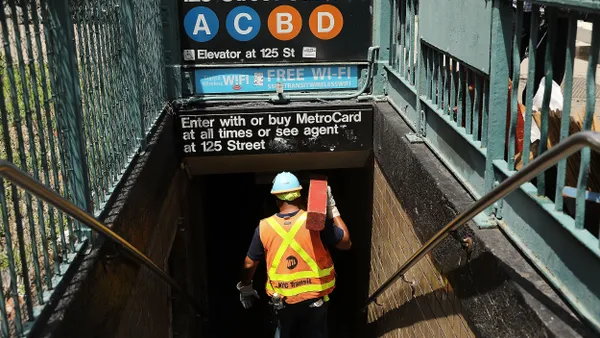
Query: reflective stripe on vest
(302, 276)
(301, 289)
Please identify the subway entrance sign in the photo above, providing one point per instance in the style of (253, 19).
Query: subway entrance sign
(235, 132)
(269, 31)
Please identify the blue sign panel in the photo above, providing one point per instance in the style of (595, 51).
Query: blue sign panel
(252, 80)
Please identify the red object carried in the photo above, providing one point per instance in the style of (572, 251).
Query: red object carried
(317, 204)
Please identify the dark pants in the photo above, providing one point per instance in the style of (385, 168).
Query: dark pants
(302, 321)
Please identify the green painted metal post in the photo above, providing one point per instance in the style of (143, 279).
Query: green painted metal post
(382, 20)
(382, 31)
(499, 74)
(69, 112)
(130, 58)
(420, 83)
(169, 10)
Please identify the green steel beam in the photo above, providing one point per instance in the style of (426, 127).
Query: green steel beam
(501, 23)
(566, 255)
(172, 48)
(131, 62)
(70, 111)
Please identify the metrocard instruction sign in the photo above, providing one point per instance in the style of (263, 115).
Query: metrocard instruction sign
(253, 133)
(274, 31)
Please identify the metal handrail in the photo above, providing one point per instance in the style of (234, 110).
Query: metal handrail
(564, 149)
(23, 180)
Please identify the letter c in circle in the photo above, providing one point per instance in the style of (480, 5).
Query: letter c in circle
(243, 23)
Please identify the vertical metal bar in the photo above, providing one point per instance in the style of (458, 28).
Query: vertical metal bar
(427, 60)
(440, 81)
(125, 84)
(404, 31)
(394, 38)
(461, 94)
(407, 71)
(71, 117)
(4, 208)
(533, 37)
(446, 84)
(500, 51)
(23, 68)
(132, 63)
(18, 321)
(172, 87)
(34, 159)
(102, 61)
(566, 114)
(393, 58)
(432, 79)
(452, 70)
(116, 90)
(87, 107)
(16, 110)
(469, 103)
(61, 156)
(548, 75)
(3, 317)
(420, 80)
(42, 136)
(590, 105)
(485, 113)
(382, 16)
(516, 73)
(412, 37)
(476, 105)
(96, 93)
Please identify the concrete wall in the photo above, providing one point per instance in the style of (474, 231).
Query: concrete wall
(433, 310)
(148, 310)
(110, 296)
(490, 292)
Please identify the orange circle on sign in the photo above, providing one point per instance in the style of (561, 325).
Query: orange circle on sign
(285, 22)
(326, 22)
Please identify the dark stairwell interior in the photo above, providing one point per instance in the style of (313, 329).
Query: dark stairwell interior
(224, 211)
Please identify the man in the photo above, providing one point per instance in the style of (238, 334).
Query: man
(561, 29)
(300, 273)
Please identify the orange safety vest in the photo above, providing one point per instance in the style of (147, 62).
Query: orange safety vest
(299, 267)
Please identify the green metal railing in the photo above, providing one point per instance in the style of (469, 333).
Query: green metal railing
(82, 86)
(21, 179)
(574, 143)
(448, 77)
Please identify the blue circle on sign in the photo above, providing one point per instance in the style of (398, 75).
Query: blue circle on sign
(201, 24)
(243, 23)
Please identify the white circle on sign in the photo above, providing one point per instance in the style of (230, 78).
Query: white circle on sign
(201, 24)
(243, 23)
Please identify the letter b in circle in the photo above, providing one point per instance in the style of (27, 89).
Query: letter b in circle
(201, 24)
(243, 23)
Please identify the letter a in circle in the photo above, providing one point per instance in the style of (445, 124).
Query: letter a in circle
(201, 24)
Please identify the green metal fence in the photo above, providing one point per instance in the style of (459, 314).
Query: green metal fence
(82, 84)
(448, 67)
